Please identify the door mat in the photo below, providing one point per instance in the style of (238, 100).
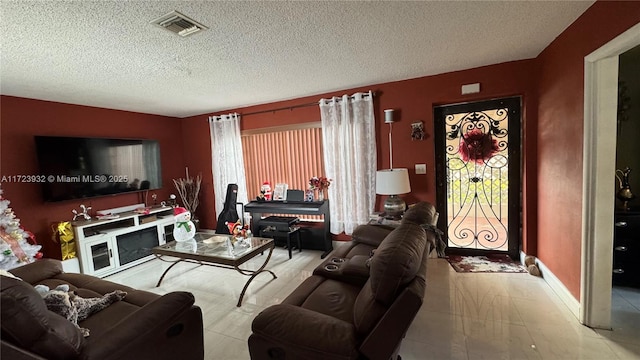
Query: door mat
(489, 263)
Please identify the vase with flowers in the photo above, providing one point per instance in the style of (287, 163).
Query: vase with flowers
(321, 184)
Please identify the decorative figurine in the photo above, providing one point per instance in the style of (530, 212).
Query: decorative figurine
(84, 213)
(172, 200)
(265, 189)
(239, 237)
(309, 195)
(184, 229)
(624, 194)
(237, 231)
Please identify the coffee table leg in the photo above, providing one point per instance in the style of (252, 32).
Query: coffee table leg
(255, 273)
(166, 271)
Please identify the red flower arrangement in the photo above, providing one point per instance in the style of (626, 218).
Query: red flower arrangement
(319, 183)
(477, 146)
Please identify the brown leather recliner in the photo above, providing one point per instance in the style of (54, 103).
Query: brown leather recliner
(348, 262)
(328, 318)
(141, 326)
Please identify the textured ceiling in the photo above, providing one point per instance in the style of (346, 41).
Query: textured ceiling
(107, 54)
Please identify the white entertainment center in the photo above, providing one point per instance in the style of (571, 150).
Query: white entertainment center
(110, 245)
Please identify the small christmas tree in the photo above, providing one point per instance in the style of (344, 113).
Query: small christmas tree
(17, 246)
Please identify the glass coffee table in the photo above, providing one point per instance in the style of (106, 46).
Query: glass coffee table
(216, 250)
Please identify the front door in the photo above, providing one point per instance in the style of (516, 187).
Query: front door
(478, 176)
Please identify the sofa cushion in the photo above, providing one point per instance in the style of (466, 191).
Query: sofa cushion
(89, 286)
(396, 261)
(38, 270)
(367, 311)
(422, 213)
(101, 321)
(359, 249)
(93, 287)
(4, 272)
(27, 323)
(305, 334)
(333, 298)
(370, 234)
(393, 265)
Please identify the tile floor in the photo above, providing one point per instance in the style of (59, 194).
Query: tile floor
(465, 316)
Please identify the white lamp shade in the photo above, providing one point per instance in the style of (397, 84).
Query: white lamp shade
(392, 182)
(388, 116)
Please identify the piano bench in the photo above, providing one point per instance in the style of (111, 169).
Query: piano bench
(294, 232)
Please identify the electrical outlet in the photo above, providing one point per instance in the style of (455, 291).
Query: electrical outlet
(421, 168)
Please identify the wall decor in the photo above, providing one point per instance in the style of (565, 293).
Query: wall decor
(417, 131)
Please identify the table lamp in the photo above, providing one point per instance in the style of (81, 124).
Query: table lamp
(393, 182)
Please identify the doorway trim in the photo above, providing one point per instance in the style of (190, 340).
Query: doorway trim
(599, 154)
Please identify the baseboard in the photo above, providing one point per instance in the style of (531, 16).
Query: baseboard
(558, 287)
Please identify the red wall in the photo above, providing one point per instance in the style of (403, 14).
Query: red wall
(560, 135)
(413, 101)
(22, 118)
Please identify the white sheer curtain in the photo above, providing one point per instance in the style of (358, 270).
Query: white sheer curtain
(349, 142)
(227, 163)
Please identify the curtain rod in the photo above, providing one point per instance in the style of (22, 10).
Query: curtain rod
(315, 103)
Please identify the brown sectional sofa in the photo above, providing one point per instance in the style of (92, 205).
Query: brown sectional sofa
(358, 304)
(141, 326)
(348, 263)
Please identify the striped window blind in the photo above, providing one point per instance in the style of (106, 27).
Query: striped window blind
(290, 155)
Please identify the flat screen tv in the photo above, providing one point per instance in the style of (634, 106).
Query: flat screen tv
(80, 167)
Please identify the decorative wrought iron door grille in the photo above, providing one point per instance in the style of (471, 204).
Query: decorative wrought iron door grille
(476, 173)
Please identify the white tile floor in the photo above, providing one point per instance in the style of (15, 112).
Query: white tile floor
(465, 316)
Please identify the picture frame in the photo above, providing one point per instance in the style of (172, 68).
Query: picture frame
(280, 192)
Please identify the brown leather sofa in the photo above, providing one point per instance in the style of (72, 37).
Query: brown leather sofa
(353, 307)
(348, 263)
(141, 326)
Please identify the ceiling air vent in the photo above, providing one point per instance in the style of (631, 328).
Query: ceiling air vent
(179, 24)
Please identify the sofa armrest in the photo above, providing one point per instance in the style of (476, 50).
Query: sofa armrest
(168, 327)
(371, 234)
(352, 270)
(10, 351)
(299, 330)
(39, 270)
(357, 267)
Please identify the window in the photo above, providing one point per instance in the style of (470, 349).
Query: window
(290, 155)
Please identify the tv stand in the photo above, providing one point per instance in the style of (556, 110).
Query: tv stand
(111, 245)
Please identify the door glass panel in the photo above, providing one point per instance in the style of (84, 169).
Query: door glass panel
(477, 179)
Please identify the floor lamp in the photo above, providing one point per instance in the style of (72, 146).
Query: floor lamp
(392, 182)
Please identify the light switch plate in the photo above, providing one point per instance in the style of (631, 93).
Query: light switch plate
(421, 168)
